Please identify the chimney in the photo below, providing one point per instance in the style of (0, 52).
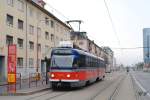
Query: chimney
(39, 2)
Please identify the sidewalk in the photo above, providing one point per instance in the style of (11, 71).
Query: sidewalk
(32, 90)
(3, 83)
(21, 92)
(126, 90)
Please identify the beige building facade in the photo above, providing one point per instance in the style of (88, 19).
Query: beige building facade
(34, 30)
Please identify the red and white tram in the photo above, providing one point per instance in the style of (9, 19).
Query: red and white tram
(74, 68)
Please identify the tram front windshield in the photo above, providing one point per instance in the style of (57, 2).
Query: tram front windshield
(62, 60)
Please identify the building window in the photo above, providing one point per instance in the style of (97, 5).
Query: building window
(19, 62)
(39, 47)
(10, 2)
(31, 62)
(20, 5)
(31, 12)
(57, 29)
(9, 20)
(46, 35)
(20, 24)
(39, 32)
(9, 40)
(20, 43)
(38, 15)
(52, 23)
(46, 21)
(31, 45)
(31, 29)
(52, 37)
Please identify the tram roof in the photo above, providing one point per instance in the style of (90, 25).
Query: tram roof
(82, 52)
(87, 53)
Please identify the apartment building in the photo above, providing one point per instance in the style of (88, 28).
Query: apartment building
(109, 59)
(33, 29)
(82, 41)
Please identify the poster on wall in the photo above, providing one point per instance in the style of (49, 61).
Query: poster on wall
(11, 77)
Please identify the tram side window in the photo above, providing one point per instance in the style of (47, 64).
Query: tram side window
(81, 61)
(97, 60)
(94, 62)
(91, 62)
(87, 62)
(99, 63)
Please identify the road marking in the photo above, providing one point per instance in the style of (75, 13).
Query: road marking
(142, 88)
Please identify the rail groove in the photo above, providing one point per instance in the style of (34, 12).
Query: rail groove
(107, 86)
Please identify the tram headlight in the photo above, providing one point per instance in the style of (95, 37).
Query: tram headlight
(68, 75)
(52, 75)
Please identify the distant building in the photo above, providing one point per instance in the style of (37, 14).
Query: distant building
(81, 40)
(146, 45)
(109, 58)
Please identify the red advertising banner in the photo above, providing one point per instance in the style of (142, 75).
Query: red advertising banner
(11, 77)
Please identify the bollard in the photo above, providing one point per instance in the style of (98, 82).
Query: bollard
(29, 80)
(20, 80)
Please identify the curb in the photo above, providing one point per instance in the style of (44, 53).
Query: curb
(23, 93)
(4, 84)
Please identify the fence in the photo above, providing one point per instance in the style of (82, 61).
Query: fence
(33, 80)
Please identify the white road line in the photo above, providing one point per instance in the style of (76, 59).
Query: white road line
(142, 88)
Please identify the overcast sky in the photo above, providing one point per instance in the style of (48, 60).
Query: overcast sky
(129, 17)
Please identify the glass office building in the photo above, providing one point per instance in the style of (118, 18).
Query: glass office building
(146, 45)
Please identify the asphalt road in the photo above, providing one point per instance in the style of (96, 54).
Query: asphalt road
(90, 92)
(142, 80)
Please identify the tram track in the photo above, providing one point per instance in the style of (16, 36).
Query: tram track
(48, 95)
(56, 96)
(116, 90)
(34, 97)
(108, 85)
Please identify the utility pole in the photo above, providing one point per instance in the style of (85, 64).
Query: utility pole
(148, 47)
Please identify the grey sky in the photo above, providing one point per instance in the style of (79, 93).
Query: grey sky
(129, 17)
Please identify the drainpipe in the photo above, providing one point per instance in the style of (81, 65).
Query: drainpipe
(26, 38)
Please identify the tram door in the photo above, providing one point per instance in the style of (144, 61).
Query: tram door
(43, 66)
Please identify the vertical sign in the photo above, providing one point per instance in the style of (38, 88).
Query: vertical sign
(11, 64)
